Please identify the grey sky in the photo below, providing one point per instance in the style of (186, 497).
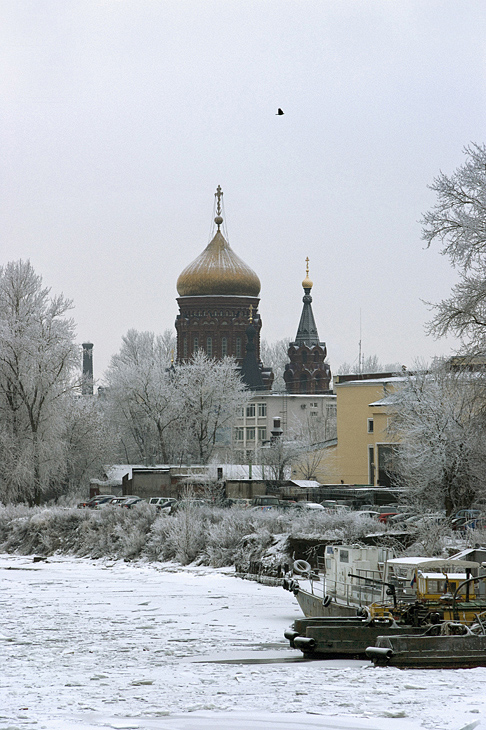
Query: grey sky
(120, 118)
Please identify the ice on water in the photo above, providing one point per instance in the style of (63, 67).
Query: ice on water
(89, 644)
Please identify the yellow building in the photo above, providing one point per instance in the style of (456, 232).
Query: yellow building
(364, 450)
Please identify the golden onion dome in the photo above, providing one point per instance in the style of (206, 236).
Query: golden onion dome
(218, 270)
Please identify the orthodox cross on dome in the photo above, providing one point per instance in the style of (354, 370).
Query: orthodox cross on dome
(307, 266)
(218, 195)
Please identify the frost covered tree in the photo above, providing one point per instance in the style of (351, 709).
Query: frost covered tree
(274, 355)
(170, 413)
(87, 442)
(311, 435)
(370, 364)
(212, 393)
(439, 420)
(142, 399)
(458, 222)
(278, 456)
(38, 358)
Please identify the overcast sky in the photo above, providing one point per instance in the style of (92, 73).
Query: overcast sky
(120, 117)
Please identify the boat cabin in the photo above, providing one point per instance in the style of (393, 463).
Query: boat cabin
(430, 579)
(354, 575)
(434, 586)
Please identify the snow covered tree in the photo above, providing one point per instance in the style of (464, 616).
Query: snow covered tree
(38, 357)
(370, 364)
(167, 413)
(278, 456)
(143, 402)
(212, 393)
(88, 442)
(458, 221)
(311, 435)
(439, 420)
(274, 355)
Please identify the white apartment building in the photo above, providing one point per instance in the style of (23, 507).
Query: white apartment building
(253, 427)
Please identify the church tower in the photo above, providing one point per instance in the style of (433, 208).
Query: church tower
(307, 372)
(218, 301)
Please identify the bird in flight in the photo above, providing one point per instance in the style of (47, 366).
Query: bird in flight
(279, 112)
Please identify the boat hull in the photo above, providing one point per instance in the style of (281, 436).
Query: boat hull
(312, 605)
(340, 637)
(429, 652)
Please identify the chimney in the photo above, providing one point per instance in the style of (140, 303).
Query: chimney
(87, 382)
(276, 431)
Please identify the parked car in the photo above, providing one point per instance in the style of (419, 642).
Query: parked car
(370, 513)
(96, 501)
(164, 505)
(332, 506)
(470, 514)
(468, 519)
(422, 521)
(117, 501)
(266, 502)
(131, 501)
(287, 504)
(387, 511)
(188, 504)
(160, 502)
(241, 503)
(399, 519)
(311, 506)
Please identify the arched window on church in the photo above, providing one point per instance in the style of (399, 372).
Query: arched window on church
(304, 355)
(209, 346)
(224, 346)
(238, 347)
(184, 347)
(316, 356)
(196, 345)
(303, 383)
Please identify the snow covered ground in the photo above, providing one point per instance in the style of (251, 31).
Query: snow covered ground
(87, 645)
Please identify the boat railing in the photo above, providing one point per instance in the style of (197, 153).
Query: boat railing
(362, 588)
(457, 593)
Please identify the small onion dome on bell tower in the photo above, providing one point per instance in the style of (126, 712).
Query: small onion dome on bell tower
(307, 283)
(218, 270)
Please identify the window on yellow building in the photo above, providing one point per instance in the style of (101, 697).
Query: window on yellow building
(371, 464)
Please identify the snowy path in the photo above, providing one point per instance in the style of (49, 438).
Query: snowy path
(86, 644)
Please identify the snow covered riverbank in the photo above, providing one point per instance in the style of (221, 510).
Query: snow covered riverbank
(90, 644)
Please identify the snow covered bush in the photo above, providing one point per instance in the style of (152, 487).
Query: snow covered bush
(209, 535)
(224, 537)
(40, 530)
(180, 537)
(116, 532)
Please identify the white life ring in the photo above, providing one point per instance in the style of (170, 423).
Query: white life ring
(302, 566)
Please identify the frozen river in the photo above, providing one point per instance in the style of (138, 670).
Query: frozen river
(87, 645)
